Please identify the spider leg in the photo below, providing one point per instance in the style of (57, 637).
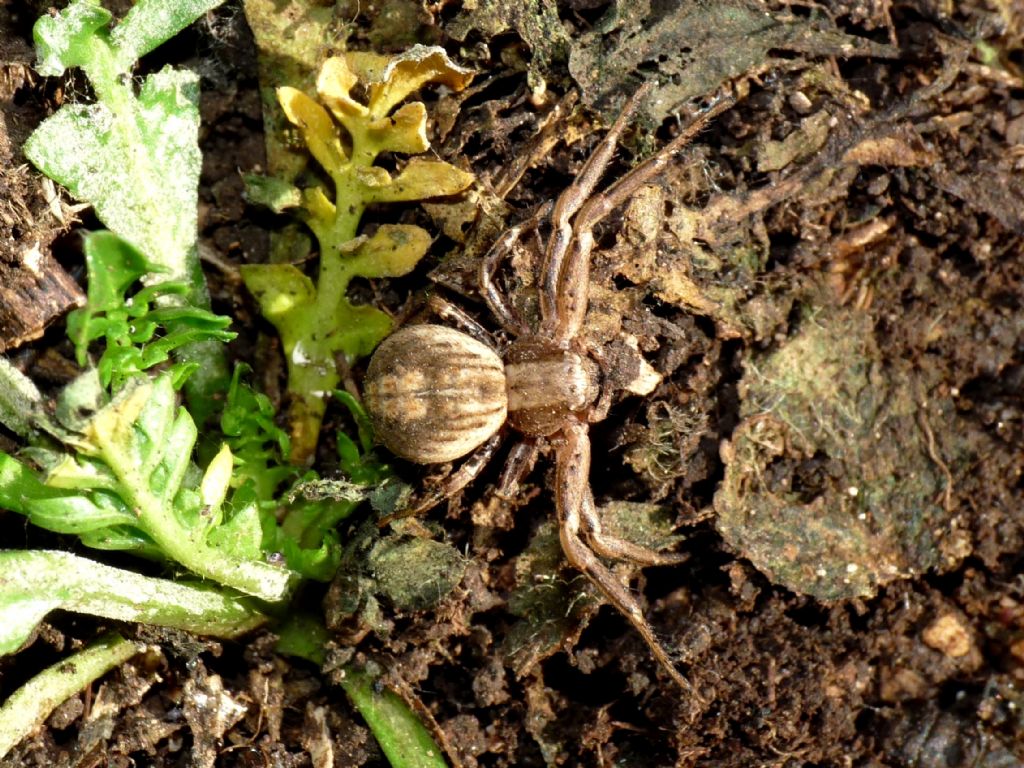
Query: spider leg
(445, 310)
(599, 206)
(607, 545)
(519, 463)
(452, 484)
(495, 300)
(568, 203)
(572, 468)
(572, 290)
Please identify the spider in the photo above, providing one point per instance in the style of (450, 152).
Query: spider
(436, 394)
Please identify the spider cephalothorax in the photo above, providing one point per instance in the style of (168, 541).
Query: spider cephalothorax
(436, 394)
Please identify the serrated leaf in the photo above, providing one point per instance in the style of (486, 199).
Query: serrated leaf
(79, 472)
(129, 325)
(364, 328)
(80, 400)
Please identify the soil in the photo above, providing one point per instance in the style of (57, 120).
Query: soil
(828, 283)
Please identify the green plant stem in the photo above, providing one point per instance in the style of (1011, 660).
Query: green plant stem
(312, 370)
(34, 582)
(28, 707)
(402, 737)
(187, 546)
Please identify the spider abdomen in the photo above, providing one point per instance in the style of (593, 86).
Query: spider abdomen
(434, 393)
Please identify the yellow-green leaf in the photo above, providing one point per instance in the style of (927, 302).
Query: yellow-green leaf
(318, 130)
(279, 288)
(405, 131)
(391, 79)
(420, 179)
(334, 85)
(393, 251)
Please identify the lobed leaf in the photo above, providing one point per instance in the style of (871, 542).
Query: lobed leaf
(279, 288)
(129, 325)
(393, 78)
(317, 128)
(419, 180)
(334, 85)
(392, 251)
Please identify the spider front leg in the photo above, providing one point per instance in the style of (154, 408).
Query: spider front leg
(568, 203)
(571, 292)
(572, 488)
(504, 312)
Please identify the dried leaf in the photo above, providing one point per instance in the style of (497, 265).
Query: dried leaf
(393, 78)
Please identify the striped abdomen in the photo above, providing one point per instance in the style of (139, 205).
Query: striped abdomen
(434, 393)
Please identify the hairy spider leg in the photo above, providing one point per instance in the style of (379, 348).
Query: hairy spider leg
(518, 465)
(572, 488)
(494, 298)
(453, 483)
(574, 196)
(445, 310)
(572, 289)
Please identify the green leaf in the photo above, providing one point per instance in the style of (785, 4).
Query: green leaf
(28, 707)
(303, 635)
(21, 404)
(70, 38)
(137, 162)
(33, 583)
(134, 486)
(276, 194)
(279, 288)
(402, 737)
(152, 22)
(134, 158)
(130, 325)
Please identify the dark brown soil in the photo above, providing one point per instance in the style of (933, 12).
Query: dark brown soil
(830, 284)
